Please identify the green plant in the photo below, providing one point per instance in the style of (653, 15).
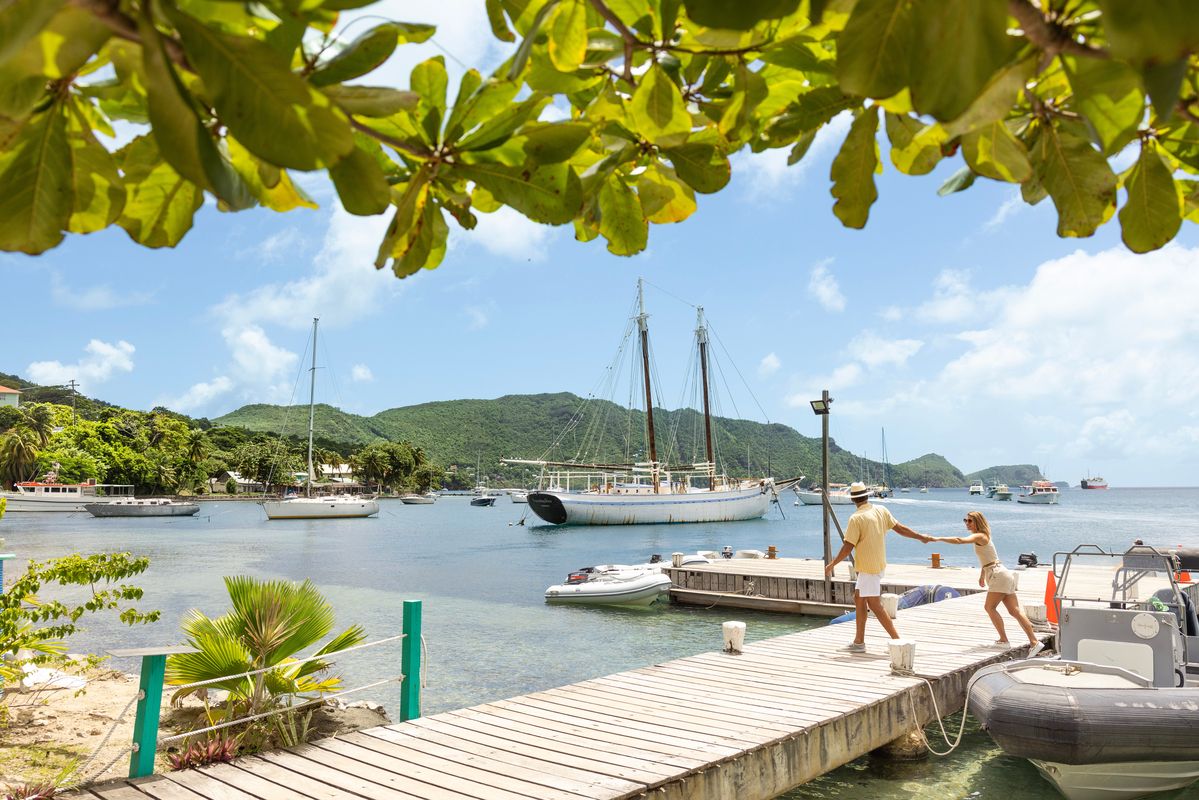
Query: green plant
(270, 622)
(30, 791)
(292, 728)
(29, 621)
(231, 486)
(216, 749)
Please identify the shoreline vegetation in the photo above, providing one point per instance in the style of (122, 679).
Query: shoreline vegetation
(407, 449)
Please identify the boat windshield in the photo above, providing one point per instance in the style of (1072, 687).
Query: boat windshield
(1090, 576)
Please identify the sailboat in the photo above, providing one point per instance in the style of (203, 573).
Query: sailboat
(653, 491)
(338, 506)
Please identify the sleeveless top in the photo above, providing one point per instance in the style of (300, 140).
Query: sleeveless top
(987, 555)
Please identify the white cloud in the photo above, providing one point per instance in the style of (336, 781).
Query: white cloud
(478, 317)
(100, 361)
(1013, 204)
(279, 246)
(508, 234)
(873, 350)
(93, 298)
(769, 365)
(764, 175)
(839, 379)
(824, 287)
(361, 373)
(199, 395)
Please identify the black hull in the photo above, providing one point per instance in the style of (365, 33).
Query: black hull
(548, 507)
(1087, 726)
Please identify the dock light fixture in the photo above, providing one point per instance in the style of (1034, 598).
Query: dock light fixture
(820, 407)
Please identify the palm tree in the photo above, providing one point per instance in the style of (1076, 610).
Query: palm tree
(38, 418)
(18, 453)
(270, 622)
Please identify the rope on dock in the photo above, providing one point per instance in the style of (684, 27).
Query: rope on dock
(67, 783)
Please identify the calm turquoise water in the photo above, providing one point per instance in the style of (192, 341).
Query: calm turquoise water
(489, 633)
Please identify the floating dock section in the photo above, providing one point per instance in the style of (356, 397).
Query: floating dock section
(711, 726)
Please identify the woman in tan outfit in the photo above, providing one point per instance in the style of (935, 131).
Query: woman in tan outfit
(1000, 581)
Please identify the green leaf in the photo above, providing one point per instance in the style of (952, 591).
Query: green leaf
(568, 35)
(360, 56)
(428, 246)
(738, 16)
(802, 145)
(550, 193)
(551, 143)
(993, 152)
(521, 57)
(799, 53)
(915, 147)
(1152, 214)
(21, 20)
(499, 128)
(809, 111)
(664, 198)
(1108, 93)
(874, 48)
(704, 167)
(360, 184)
(160, 203)
(499, 25)
(278, 193)
(1190, 200)
(1163, 82)
(1161, 31)
(478, 103)
(853, 171)
(657, 109)
(272, 111)
(410, 202)
(430, 81)
(996, 99)
(37, 201)
(371, 101)
(959, 181)
(98, 188)
(1181, 140)
(959, 47)
(1076, 176)
(63, 46)
(621, 221)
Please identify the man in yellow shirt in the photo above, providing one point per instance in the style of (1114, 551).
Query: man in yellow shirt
(865, 536)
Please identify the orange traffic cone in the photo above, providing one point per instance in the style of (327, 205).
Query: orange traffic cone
(1050, 600)
(1183, 576)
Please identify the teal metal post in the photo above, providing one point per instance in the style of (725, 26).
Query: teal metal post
(410, 662)
(4, 557)
(145, 724)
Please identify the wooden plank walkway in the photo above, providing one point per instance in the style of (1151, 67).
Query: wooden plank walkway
(710, 726)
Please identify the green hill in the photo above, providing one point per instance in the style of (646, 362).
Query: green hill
(1011, 474)
(459, 432)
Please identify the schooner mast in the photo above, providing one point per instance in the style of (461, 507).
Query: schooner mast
(642, 317)
(311, 408)
(701, 337)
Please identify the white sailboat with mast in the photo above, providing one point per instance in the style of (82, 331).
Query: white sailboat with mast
(337, 506)
(653, 491)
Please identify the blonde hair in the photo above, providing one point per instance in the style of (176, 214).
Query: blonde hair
(980, 523)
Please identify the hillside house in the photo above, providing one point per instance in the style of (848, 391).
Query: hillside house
(9, 397)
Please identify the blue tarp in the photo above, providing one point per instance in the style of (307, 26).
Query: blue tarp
(910, 599)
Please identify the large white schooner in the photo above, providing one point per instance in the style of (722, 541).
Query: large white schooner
(650, 492)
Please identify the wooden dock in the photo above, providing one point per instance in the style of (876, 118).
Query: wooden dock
(710, 726)
(796, 585)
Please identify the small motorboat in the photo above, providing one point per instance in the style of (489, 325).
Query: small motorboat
(518, 496)
(418, 499)
(1001, 492)
(838, 495)
(1113, 718)
(483, 500)
(131, 507)
(1040, 493)
(611, 585)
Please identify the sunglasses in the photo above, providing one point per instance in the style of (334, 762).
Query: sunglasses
(967, 519)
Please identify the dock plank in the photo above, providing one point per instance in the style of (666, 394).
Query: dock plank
(750, 725)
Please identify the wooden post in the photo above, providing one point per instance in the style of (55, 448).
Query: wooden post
(410, 661)
(149, 704)
(828, 552)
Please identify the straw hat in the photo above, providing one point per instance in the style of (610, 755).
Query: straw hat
(858, 490)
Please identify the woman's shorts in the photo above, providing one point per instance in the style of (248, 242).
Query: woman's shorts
(869, 585)
(1003, 580)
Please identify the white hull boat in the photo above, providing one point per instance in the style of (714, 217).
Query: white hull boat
(631, 587)
(66, 498)
(418, 499)
(585, 508)
(519, 497)
(1118, 781)
(334, 507)
(835, 497)
(1041, 493)
(142, 508)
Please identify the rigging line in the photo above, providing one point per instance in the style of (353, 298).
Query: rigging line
(671, 294)
(455, 58)
(286, 416)
(329, 371)
(765, 416)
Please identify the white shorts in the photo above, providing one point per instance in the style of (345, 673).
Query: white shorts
(869, 585)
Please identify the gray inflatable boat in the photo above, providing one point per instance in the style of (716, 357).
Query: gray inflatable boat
(1115, 717)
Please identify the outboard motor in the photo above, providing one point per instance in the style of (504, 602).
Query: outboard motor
(726, 552)
(1027, 560)
(656, 558)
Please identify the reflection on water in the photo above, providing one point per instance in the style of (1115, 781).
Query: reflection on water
(490, 635)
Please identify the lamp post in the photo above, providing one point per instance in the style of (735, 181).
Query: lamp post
(821, 408)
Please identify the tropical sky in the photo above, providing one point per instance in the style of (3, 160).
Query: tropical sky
(960, 325)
